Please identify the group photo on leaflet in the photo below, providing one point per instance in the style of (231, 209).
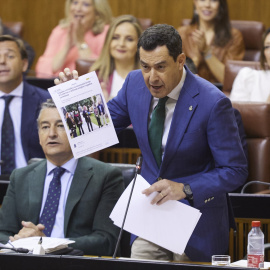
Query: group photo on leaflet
(134, 134)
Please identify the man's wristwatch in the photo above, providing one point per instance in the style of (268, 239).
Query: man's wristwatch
(188, 192)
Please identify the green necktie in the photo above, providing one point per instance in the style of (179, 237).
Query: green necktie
(156, 127)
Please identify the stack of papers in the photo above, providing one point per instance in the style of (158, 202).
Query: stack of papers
(50, 244)
(169, 225)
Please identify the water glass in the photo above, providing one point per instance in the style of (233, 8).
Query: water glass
(221, 260)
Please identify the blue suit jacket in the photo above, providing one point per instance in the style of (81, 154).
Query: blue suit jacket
(203, 149)
(32, 99)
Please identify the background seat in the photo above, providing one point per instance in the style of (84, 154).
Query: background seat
(15, 27)
(252, 32)
(256, 121)
(145, 22)
(232, 67)
(83, 66)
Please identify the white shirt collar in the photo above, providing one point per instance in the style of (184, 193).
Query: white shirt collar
(174, 94)
(17, 92)
(70, 166)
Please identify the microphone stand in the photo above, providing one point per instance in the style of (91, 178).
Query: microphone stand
(137, 171)
(253, 182)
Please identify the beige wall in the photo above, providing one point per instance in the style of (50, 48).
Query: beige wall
(40, 16)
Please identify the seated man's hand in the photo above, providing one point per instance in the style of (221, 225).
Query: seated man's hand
(168, 190)
(67, 75)
(29, 229)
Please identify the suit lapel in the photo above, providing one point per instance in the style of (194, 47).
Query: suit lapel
(36, 186)
(82, 176)
(29, 115)
(184, 109)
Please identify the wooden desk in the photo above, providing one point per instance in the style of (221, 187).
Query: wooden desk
(35, 262)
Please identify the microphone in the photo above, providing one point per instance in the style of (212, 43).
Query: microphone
(18, 250)
(137, 171)
(253, 182)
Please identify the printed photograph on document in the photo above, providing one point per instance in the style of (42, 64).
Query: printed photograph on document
(85, 114)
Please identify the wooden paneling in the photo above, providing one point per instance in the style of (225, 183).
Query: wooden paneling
(41, 16)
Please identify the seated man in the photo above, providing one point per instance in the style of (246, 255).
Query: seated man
(86, 194)
(19, 107)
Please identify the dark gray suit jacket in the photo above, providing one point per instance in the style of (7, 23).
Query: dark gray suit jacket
(95, 188)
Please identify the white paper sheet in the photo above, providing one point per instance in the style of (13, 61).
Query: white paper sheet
(243, 263)
(50, 244)
(84, 90)
(169, 225)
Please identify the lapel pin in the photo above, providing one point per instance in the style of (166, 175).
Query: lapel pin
(190, 108)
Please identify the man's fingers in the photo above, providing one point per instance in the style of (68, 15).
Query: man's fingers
(41, 227)
(56, 81)
(159, 199)
(11, 238)
(28, 224)
(62, 77)
(66, 76)
(75, 74)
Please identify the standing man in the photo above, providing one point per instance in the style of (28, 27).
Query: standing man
(85, 191)
(101, 111)
(188, 136)
(19, 107)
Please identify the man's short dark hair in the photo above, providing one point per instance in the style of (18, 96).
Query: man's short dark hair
(19, 43)
(48, 104)
(160, 35)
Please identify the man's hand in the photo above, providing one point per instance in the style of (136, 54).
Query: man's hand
(168, 190)
(29, 229)
(67, 75)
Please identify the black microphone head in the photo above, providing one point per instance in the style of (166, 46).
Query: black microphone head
(139, 164)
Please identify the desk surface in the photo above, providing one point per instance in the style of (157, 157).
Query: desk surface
(58, 262)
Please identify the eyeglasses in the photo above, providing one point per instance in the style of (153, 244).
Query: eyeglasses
(266, 47)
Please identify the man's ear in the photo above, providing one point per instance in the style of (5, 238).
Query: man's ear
(181, 59)
(25, 64)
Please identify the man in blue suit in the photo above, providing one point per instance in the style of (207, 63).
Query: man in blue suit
(24, 106)
(202, 158)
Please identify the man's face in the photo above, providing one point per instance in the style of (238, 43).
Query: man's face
(53, 138)
(11, 66)
(161, 73)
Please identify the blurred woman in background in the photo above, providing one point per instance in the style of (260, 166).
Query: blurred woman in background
(119, 54)
(210, 40)
(80, 35)
(254, 85)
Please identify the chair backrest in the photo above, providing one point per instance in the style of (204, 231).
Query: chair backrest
(232, 68)
(252, 32)
(15, 27)
(256, 121)
(145, 22)
(83, 66)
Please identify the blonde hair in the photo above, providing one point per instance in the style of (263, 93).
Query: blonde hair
(103, 15)
(105, 63)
